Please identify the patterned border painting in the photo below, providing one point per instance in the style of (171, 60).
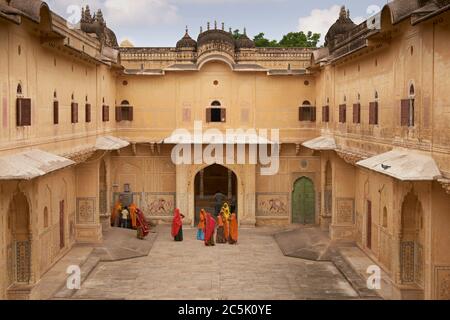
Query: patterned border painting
(85, 210)
(442, 282)
(272, 204)
(159, 204)
(345, 211)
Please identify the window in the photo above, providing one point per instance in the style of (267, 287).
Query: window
(385, 218)
(216, 113)
(45, 217)
(343, 113)
(55, 112)
(373, 113)
(23, 112)
(307, 112)
(124, 112)
(105, 113)
(74, 112)
(88, 112)
(407, 113)
(325, 114)
(357, 113)
(19, 89)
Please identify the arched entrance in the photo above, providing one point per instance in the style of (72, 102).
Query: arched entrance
(411, 241)
(18, 241)
(215, 185)
(303, 202)
(328, 192)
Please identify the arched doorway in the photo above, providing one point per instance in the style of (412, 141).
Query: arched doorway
(103, 202)
(18, 241)
(215, 185)
(303, 202)
(411, 241)
(328, 192)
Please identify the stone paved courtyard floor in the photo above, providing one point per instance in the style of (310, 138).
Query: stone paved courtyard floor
(254, 269)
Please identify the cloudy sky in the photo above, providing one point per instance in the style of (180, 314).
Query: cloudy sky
(160, 23)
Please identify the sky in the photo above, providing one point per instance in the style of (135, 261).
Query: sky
(161, 23)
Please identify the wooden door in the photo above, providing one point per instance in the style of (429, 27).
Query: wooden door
(61, 225)
(303, 202)
(369, 225)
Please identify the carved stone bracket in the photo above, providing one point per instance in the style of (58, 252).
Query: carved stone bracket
(81, 155)
(445, 183)
(350, 157)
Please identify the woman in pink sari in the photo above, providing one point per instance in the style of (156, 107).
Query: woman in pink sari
(210, 226)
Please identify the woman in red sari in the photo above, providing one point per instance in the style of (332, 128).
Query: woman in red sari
(143, 228)
(210, 226)
(177, 226)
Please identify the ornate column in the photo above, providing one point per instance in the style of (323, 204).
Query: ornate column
(183, 185)
(202, 184)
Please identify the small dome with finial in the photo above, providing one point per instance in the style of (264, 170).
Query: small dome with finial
(244, 42)
(187, 42)
(342, 25)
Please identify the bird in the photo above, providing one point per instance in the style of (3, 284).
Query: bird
(385, 167)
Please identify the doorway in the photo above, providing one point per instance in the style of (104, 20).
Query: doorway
(303, 202)
(215, 185)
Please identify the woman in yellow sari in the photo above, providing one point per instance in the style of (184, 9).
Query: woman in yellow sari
(115, 214)
(226, 219)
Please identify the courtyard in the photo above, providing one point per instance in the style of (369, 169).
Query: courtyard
(254, 269)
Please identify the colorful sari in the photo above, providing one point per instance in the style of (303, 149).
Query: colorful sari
(177, 226)
(201, 226)
(143, 228)
(210, 226)
(233, 239)
(226, 221)
(115, 214)
(133, 210)
(220, 237)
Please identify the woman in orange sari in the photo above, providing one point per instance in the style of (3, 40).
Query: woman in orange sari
(133, 211)
(177, 225)
(233, 239)
(201, 226)
(220, 237)
(115, 214)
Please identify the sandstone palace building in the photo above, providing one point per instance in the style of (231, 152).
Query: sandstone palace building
(364, 131)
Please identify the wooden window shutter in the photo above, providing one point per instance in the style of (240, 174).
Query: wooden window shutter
(23, 112)
(223, 115)
(300, 114)
(343, 113)
(119, 114)
(88, 113)
(208, 115)
(74, 113)
(357, 113)
(326, 114)
(55, 112)
(373, 113)
(105, 113)
(405, 112)
(130, 114)
(313, 114)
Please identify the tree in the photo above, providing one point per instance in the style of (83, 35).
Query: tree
(300, 39)
(292, 39)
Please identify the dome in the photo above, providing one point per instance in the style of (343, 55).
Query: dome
(215, 35)
(343, 25)
(186, 42)
(244, 42)
(126, 44)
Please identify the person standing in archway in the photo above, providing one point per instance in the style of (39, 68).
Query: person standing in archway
(220, 238)
(233, 238)
(177, 226)
(226, 221)
(210, 226)
(219, 199)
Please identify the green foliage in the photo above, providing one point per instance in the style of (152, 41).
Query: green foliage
(292, 39)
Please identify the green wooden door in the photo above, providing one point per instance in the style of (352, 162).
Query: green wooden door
(303, 202)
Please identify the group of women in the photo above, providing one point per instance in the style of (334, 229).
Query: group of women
(227, 227)
(130, 218)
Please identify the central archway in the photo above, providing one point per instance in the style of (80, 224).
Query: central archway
(213, 186)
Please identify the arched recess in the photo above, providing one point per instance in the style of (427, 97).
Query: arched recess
(411, 241)
(304, 201)
(328, 192)
(18, 241)
(215, 58)
(103, 192)
(208, 182)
